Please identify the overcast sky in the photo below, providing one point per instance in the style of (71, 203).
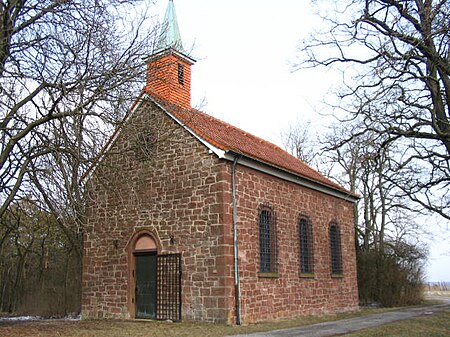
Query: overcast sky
(244, 51)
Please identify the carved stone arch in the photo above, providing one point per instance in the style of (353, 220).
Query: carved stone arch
(144, 241)
(142, 237)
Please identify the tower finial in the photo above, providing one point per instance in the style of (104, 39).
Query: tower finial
(170, 34)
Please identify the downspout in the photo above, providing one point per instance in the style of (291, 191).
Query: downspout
(237, 289)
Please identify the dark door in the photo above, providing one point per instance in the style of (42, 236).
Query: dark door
(146, 286)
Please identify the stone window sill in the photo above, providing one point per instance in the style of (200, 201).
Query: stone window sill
(307, 275)
(337, 275)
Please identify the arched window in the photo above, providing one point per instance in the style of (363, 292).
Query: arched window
(267, 241)
(306, 250)
(335, 249)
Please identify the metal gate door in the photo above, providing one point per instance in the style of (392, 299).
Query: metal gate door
(168, 287)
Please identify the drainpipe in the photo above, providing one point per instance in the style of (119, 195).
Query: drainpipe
(237, 289)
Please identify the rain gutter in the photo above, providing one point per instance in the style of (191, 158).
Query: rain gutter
(237, 288)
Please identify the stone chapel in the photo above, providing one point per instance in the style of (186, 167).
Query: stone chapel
(191, 218)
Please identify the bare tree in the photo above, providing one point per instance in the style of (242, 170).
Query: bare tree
(39, 267)
(396, 61)
(67, 68)
(389, 250)
(299, 142)
(367, 170)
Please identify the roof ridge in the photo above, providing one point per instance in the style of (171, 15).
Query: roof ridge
(224, 145)
(260, 139)
(210, 129)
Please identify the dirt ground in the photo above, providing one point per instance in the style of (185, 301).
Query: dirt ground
(102, 328)
(145, 328)
(116, 328)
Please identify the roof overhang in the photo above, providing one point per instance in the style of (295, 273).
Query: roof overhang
(168, 51)
(264, 167)
(229, 155)
(288, 176)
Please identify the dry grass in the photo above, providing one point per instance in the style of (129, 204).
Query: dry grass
(122, 328)
(437, 286)
(437, 289)
(436, 325)
(116, 328)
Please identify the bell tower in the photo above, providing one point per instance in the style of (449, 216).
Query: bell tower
(169, 67)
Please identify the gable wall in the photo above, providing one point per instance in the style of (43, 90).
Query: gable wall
(178, 193)
(289, 294)
(184, 193)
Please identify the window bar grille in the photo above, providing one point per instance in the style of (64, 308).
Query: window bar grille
(306, 247)
(335, 249)
(267, 240)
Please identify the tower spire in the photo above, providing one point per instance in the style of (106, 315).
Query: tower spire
(169, 67)
(170, 33)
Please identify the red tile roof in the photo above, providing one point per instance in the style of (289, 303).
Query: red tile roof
(229, 138)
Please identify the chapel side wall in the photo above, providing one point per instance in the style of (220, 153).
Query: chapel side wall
(289, 294)
(178, 195)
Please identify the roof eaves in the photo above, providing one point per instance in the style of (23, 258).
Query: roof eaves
(284, 174)
(224, 151)
(168, 51)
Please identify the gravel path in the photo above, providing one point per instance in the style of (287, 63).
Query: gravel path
(353, 324)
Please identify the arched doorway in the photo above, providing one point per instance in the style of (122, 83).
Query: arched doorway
(154, 279)
(145, 256)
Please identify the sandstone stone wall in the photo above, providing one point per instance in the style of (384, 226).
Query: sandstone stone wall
(157, 178)
(290, 294)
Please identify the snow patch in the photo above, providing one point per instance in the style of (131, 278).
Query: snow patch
(38, 318)
(21, 318)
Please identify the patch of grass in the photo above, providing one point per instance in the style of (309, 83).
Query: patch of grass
(124, 328)
(436, 325)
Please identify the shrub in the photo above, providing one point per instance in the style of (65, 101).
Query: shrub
(391, 277)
